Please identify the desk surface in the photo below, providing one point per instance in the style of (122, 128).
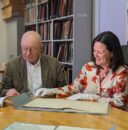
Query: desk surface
(116, 117)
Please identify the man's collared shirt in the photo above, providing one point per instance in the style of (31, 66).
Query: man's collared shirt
(34, 80)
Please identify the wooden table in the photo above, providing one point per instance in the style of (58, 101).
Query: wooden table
(116, 117)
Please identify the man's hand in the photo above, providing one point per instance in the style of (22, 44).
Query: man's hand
(12, 92)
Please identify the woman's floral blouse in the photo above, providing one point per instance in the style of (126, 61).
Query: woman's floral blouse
(113, 87)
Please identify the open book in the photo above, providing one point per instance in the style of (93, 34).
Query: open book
(25, 126)
(65, 105)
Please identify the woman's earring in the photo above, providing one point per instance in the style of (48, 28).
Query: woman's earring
(111, 55)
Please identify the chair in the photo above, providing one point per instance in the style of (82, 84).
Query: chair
(125, 53)
(2, 68)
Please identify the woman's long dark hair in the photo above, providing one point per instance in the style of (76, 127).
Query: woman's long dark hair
(113, 45)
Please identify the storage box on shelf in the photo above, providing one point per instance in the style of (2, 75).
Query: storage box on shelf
(12, 8)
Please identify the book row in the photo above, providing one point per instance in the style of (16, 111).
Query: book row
(48, 10)
(62, 51)
(61, 30)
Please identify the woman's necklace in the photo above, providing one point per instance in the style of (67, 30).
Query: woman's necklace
(103, 73)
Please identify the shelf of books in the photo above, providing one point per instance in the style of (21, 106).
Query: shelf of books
(54, 20)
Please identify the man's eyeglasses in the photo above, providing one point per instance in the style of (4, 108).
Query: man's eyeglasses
(31, 49)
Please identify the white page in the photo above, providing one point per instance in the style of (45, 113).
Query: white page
(25, 126)
(73, 128)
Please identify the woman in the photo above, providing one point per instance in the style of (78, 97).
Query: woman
(106, 76)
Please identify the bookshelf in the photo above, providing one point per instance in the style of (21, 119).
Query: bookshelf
(65, 29)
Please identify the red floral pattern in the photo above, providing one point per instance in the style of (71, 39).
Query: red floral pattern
(114, 86)
(88, 67)
(94, 78)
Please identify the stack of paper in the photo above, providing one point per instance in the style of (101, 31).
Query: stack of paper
(65, 105)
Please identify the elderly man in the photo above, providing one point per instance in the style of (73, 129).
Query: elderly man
(32, 70)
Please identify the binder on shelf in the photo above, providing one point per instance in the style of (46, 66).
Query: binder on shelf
(12, 8)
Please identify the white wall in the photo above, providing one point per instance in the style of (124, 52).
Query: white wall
(111, 15)
(8, 38)
(3, 39)
(12, 39)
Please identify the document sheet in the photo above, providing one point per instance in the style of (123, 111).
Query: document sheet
(27, 126)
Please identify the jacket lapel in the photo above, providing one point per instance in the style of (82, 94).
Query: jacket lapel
(23, 73)
(44, 70)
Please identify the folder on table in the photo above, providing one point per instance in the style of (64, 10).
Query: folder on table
(65, 105)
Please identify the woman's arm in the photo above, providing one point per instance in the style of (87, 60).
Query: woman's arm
(77, 86)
